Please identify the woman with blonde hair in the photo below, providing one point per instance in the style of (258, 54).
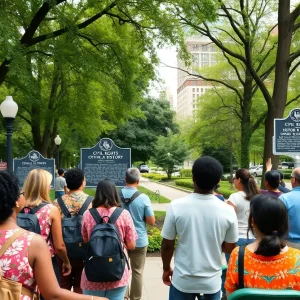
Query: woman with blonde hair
(25, 259)
(36, 192)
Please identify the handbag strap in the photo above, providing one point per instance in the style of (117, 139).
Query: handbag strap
(8, 243)
(241, 256)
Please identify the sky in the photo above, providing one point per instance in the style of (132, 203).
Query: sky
(168, 76)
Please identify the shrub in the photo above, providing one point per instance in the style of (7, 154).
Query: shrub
(186, 173)
(188, 183)
(154, 240)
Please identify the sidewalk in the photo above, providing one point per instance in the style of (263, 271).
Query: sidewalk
(154, 289)
(166, 191)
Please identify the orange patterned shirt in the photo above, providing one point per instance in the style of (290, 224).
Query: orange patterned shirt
(274, 272)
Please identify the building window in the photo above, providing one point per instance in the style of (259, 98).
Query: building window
(204, 64)
(204, 48)
(193, 90)
(195, 59)
(198, 90)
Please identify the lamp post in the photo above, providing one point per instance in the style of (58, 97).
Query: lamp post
(9, 109)
(57, 142)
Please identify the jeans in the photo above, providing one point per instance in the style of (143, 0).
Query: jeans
(175, 294)
(59, 194)
(240, 242)
(113, 294)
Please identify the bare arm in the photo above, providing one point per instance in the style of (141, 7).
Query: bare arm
(150, 220)
(167, 250)
(228, 247)
(66, 189)
(56, 232)
(269, 165)
(231, 204)
(130, 245)
(40, 261)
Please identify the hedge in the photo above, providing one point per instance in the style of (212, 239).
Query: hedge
(154, 240)
(186, 173)
(154, 176)
(224, 189)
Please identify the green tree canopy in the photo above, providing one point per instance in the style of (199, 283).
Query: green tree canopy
(141, 133)
(170, 150)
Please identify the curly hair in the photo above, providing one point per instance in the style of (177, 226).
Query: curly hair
(9, 194)
(74, 179)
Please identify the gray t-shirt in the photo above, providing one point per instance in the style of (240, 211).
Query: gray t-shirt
(202, 223)
(60, 183)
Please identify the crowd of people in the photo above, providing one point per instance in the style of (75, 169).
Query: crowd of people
(262, 223)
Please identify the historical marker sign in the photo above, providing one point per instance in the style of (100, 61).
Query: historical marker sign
(33, 160)
(287, 134)
(105, 160)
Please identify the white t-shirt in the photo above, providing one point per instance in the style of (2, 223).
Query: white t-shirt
(242, 211)
(202, 223)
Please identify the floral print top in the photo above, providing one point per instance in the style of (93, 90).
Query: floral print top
(127, 233)
(277, 272)
(43, 216)
(73, 202)
(14, 262)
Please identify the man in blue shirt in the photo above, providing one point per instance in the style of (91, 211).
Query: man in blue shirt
(292, 203)
(142, 214)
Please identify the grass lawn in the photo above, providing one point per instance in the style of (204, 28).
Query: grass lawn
(153, 198)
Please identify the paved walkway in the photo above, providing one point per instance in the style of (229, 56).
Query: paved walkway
(166, 191)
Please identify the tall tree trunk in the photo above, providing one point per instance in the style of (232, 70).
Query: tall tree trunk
(246, 121)
(279, 98)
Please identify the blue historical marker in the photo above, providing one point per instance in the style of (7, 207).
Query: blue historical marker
(33, 160)
(286, 138)
(105, 160)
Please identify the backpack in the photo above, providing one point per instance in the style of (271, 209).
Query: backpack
(71, 229)
(29, 221)
(9, 289)
(129, 200)
(105, 259)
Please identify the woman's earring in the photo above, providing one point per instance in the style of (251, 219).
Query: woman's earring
(17, 204)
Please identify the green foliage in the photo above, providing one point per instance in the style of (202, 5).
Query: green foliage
(225, 187)
(186, 173)
(154, 239)
(154, 176)
(222, 154)
(141, 132)
(170, 151)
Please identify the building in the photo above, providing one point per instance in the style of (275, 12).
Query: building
(189, 87)
(165, 94)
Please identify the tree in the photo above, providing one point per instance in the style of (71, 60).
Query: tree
(170, 150)
(279, 40)
(228, 34)
(140, 133)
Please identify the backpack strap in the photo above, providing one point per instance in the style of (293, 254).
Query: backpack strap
(63, 207)
(241, 266)
(129, 200)
(34, 210)
(8, 243)
(85, 205)
(96, 215)
(115, 215)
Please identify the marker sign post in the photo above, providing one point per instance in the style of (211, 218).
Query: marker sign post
(105, 160)
(286, 138)
(33, 160)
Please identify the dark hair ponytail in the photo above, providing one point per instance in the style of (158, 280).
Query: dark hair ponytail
(271, 219)
(248, 182)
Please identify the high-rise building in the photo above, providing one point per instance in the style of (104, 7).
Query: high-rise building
(189, 87)
(165, 94)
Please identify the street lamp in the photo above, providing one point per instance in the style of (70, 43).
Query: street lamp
(9, 109)
(57, 142)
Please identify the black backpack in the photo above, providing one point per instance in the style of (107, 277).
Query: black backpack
(71, 229)
(105, 259)
(129, 200)
(29, 221)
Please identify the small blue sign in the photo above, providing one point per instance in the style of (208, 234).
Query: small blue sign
(33, 160)
(286, 139)
(105, 160)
